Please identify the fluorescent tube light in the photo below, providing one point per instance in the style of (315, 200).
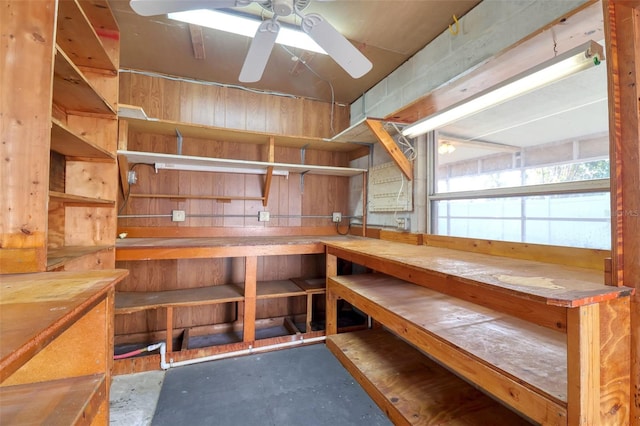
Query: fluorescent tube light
(219, 169)
(242, 25)
(573, 61)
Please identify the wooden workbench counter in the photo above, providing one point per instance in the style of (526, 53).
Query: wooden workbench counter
(206, 247)
(445, 270)
(37, 308)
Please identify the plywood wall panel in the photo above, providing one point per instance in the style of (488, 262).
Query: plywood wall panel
(226, 107)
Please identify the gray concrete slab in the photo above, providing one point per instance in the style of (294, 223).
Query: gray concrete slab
(133, 398)
(298, 386)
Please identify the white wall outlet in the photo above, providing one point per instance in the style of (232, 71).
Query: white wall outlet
(132, 177)
(178, 216)
(404, 223)
(336, 217)
(263, 217)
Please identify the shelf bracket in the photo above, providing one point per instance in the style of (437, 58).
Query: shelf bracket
(178, 142)
(303, 152)
(302, 181)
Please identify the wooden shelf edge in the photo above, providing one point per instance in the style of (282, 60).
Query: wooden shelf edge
(188, 162)
(79, 200)
(222, 198)
(139, 122)
(64, 141)
(74, 400)
(58, 257)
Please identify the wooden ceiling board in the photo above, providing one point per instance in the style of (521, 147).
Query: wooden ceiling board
(387, 32)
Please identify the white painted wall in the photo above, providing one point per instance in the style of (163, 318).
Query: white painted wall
(492, 26)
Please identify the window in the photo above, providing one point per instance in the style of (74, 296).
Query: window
(535, 169)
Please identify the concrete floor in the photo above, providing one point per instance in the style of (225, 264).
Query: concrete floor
(298, 386)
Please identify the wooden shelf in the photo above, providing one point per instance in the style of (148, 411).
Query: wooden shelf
(311, 285)
(72, 91)
(129, 302)
(221, 198)
(489, 348)
(77, 37)
(175, 162)
(69, 401)
(66, 142)
(58, 257)
(276, 289)
(79, 200)
(198, 131)
(361, 133)
(411, 388)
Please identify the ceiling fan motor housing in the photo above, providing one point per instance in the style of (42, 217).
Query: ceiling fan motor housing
(282, 7)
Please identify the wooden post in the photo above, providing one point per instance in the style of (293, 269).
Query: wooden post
(622, 33)
(251, 266)
(169, 329)
(583, 365)
(331, 308)
(26, 69)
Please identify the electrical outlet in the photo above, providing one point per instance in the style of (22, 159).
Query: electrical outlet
(178, 216)
(403, 223)
(132, 177)
(336, 217)
(263, 217)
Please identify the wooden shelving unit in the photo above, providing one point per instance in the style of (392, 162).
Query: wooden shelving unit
(84, 131)
(59, 98)
(527, 333)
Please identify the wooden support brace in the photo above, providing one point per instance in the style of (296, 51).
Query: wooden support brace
(123, 166)
(269, 175)
(185, 339)
(197, 41)
(391, 147)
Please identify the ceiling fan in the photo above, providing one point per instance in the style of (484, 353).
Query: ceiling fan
(321, 31)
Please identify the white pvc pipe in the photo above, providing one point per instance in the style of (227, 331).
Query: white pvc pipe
(166, 365)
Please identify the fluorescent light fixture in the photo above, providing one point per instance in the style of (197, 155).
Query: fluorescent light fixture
(218, 169)
(245, 26)
(573, 61)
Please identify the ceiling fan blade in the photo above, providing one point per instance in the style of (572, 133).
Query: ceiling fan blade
(259, 51)
(160, 7)
(336, 45)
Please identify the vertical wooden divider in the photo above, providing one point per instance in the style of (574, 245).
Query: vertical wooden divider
(583, 365)
(331, 308)
(250, 279)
